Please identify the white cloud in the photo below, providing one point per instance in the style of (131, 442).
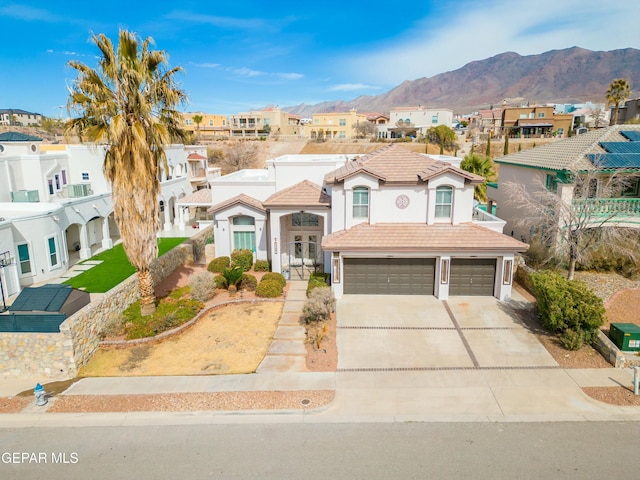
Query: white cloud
(347, 87)
(245, 72)
(476, 31)
(23, 12)
(219, 21)
(206, 65)
(290, 76)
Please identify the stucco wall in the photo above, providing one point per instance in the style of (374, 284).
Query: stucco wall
(60, 355)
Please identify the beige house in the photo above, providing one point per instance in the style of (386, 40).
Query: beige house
(335, 125)
(265, 122)
(211, 125)
(535, 121)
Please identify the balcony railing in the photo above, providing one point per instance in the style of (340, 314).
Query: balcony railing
(613, 207)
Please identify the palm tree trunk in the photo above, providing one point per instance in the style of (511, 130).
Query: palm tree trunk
(147, 292)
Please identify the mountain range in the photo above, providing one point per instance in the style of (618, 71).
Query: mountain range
(572, 75)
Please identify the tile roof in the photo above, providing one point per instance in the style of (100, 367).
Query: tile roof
(302, 194)
(201, 197)
(196, 156)
(569, 153)
(418, 237)
(241, 198)
(395, 164)
(18, 137)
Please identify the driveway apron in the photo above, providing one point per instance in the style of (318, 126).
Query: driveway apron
(412, 332)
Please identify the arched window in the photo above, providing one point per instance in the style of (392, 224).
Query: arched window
(444, 202)
(361, 202)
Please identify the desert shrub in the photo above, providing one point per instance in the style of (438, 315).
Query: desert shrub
(202, 286)
(171, 312)
(248, 282)
(611, 258)
(269, 288)
(314, 283)
(274, 276)
(319, 306)
(232, 278)
(219, 281)
(261, 266)
(572, 339)
(567, 305)
(243, 259)
(538, 255)
(218, 264)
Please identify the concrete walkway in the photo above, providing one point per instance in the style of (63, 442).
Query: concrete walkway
(287, 352)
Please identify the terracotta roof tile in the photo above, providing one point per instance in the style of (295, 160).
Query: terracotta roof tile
(416, 237)
(242, 198)
(200, 197)
(302, 194)
(196, 156)
(395, 164)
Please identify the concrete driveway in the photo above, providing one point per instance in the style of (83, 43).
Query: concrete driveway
(411, 332)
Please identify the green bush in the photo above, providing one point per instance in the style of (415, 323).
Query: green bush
(567, 305)
(261, 266)
(202, 286)
(219, 282)
(315, 282)
(572, 339)
(242, 259)
(274, 276)
(319, 306)
(171, 312)
(248, 282)
(218, 264)
(609, 258)
(269, 288)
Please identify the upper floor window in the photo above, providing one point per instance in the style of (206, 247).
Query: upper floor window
(434, 119)
(361, 202)
(85, 176)
(53, 251)
(211, 123)
(343, 122)
(189, 121)
(551, 183)
(444, 202)
(523, 115)
(24, 258)
(541, 115)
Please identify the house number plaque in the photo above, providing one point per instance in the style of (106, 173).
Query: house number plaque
(402, 201)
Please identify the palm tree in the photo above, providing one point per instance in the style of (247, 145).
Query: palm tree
(197, 119)
(483, 166)
(128, 103)
(617, 93)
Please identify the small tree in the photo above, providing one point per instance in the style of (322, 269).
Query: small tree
(572, 228)
(365, 130)
(443, 136)
(505, 151)
(197, 119)
(617, 93)
(483, 166)
(236, 155)
(488, 152)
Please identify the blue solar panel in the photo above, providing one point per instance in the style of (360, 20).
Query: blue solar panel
(615, 160)
(633, 135)
(621, 147)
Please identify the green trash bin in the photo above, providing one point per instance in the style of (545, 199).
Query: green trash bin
(626, 336)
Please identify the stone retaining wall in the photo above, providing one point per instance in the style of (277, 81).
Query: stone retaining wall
(60, 355)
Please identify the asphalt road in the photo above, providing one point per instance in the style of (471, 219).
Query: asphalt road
(584, 450)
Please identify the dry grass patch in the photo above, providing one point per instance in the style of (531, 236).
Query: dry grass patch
(231, 339)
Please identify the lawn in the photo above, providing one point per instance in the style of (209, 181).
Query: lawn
(115, 267)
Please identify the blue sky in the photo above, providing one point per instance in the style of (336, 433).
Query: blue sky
(243, 55)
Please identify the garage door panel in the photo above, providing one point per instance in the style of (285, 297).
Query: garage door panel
(389, 276)
(472, 276)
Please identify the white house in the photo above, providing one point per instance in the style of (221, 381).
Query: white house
(411, 121)
(391, 222)
(55, 200)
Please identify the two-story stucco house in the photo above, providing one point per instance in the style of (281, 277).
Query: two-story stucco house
(391, 222)
(610, 151)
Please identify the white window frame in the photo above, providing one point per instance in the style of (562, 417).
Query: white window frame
(56, 252)
(31, 271)
(439, 203)
(360, 206)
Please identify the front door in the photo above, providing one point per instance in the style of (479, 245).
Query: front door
(303, 253)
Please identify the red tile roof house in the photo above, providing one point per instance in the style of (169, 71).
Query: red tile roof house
(391, 222)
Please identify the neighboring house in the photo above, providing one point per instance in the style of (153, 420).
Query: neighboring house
(20, 118)
(535, 121)
(615, 149)
(486, 120)
(630, 110)
(265, 122)
(211, 126)
(391, 222)
(414, 121)
(335, 125)
(55, 201)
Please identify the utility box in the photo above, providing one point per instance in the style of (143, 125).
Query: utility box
(626, 336)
